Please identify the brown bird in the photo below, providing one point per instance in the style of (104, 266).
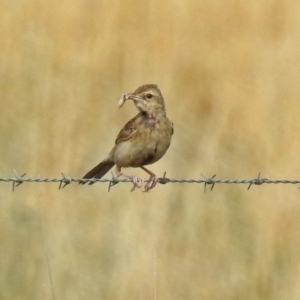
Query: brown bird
(142, 141)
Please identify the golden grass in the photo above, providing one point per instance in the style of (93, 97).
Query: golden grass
(229, 72)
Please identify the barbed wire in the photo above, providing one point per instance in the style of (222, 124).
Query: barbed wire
(212, 181)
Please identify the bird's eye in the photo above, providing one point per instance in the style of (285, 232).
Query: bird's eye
(149, 96)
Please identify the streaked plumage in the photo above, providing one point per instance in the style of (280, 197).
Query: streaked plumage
(143, 140)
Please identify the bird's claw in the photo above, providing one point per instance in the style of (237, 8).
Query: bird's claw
(150, 184)
(137, 182)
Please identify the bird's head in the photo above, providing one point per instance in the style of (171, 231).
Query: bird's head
(146, 98)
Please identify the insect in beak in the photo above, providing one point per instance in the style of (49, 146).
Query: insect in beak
(128, 96)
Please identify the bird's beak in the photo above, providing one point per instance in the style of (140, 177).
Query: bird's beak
(137, 98)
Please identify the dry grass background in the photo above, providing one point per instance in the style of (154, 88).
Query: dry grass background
(229, 72)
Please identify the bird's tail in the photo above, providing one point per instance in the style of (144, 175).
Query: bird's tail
(99, 171)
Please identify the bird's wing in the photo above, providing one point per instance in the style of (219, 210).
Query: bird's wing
(130, 128)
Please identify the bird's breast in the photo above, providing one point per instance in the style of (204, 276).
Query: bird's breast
(149, 143)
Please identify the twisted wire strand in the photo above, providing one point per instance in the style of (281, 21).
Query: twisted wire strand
(65, 180)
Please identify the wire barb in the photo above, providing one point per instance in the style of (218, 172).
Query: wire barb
(163, 180)
(114, 181)
(257, 181)
(18, 180)
(65, 180)
(209, 181)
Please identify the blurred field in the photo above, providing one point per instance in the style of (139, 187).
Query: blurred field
(229, 72)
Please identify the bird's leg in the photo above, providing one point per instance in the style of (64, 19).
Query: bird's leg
(137, 182)
(152, 180)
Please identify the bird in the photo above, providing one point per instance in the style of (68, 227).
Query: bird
(142, 141)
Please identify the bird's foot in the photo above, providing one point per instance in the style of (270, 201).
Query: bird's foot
(151, 183)
(137, 181)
